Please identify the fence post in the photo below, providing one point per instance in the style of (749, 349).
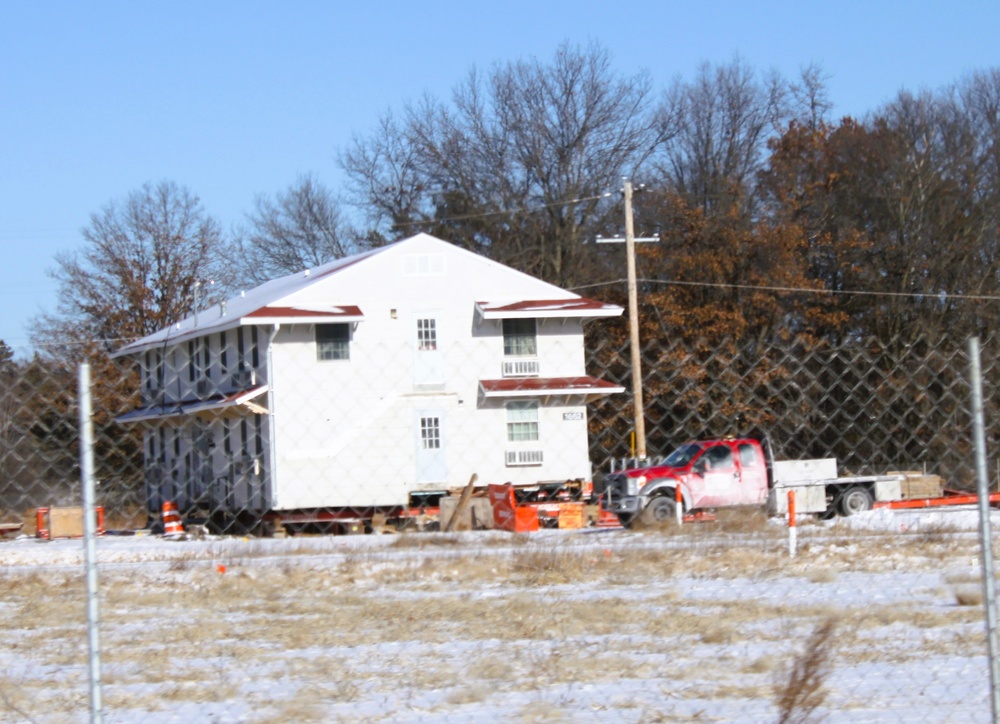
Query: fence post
(985, 542)
(792, 530)
(90, 533)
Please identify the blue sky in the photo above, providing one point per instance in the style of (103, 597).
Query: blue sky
(233, 99)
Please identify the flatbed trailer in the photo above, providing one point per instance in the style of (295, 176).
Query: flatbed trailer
(950, 497)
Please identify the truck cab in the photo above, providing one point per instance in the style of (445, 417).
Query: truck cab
(707, 474)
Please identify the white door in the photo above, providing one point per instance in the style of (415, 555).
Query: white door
(431, 467)
(428, 365)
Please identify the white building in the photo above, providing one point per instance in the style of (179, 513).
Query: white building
(404, 369)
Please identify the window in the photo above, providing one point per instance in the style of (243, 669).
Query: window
(192, 360)
(522, 421)
(748, 457)
(519, 338)
(718, 458)
(423, 265)
(198, 358)
(426, 334)
(430, 433)
(332, 342)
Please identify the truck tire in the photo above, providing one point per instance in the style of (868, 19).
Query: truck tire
(659, 511)
(854, 500)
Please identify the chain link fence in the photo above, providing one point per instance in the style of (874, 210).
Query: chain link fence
(876, 407)
(262, 432)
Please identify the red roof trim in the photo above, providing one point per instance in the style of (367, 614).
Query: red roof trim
(546, 305)
(282, 312)
(567, 385)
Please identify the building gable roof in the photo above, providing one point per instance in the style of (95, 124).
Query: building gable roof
(292, 299)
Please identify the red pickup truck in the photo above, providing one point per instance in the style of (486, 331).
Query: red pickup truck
(738, 472)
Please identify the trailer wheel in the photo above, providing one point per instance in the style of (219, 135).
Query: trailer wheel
(855, 500)
(660, 510)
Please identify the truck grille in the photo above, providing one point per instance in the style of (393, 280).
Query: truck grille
(616, 484)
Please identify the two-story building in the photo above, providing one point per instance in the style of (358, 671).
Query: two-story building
(361, 382)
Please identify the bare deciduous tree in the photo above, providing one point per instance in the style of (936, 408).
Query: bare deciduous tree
(725, 118)
(145, 259)
(298, 229)
(811, 102)
(517, 166)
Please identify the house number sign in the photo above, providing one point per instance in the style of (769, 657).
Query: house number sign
(572, 415)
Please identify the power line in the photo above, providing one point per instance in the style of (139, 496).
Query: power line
(504, 212)
(803, 290)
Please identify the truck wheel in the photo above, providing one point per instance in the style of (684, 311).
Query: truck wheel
(659, 511)
(855, 500)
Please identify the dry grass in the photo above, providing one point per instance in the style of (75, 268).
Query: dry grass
(804, 690)
(426, 540)
(820, 574)
(434, 614)
(967, 596)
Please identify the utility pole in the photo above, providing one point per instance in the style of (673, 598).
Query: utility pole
(633, 320)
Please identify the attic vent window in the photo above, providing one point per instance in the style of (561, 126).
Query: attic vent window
(423, 265)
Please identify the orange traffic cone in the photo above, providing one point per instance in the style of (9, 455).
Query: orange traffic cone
(171, 519)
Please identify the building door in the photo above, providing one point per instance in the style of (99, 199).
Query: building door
(428, 364)
(431, 465)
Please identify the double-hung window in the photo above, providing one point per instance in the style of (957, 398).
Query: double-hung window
(522, 421)
(519, 338)
(333, 342)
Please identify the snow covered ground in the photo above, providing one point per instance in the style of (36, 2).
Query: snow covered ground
(704, 624)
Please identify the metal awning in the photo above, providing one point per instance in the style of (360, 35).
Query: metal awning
(547, 309)
(319, 314)
(588, 387)
(235, 403)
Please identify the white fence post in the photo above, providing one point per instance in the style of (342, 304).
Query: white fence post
(985, 542)
(90, 547)
(792, 529)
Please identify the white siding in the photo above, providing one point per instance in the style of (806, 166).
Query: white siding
(345, 429)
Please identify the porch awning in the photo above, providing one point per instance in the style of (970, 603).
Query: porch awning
(243, 402)
(326, 314)
(588, 387)
(547, 309)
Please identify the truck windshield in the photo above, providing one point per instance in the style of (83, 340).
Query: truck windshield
(682, 455)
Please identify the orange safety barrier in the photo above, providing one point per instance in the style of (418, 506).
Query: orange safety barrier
(171, 519)
(607, 519)
(507, 514)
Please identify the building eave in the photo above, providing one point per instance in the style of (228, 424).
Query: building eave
(590, 388)
(577, 307)
(240, 403)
